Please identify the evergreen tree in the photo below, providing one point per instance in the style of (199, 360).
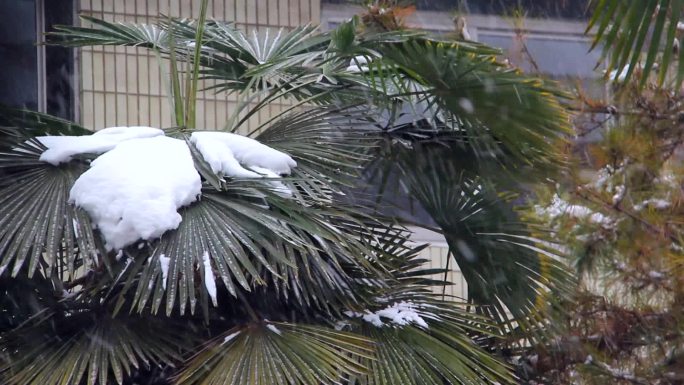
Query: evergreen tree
(617, 211)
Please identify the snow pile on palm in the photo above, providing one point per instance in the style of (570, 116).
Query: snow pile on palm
(134, 189)
(228, 153)
(60, 149)
(400, 314)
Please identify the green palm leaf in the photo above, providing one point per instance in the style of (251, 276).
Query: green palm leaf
(84, 347)
(107, 33)
(623, 28)
(38, 227)
(271, 353)
(417, 357)
(496, 111)
(502, 263)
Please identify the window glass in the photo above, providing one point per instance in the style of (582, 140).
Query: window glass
(18, 54)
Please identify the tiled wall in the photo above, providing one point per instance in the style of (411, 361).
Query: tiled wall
(437, 255)
(127, 86)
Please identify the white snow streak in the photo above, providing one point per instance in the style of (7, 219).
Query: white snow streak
(209, 282)
(653, 202)
(230, 337)
(62, 148)
(559, 207)
(274, 329)
(358, 64)
(164, 263)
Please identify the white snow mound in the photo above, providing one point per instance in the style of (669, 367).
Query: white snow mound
(62, 148)
(235, 155)
(134, 189)
(132, 192)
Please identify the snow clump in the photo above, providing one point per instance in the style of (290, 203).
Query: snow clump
(234, 155)
(134, 189)
(400, 314)
(60, 149)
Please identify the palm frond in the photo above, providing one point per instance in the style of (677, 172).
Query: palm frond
(501, 113)
(434, 356)
(274, 353)
(38, 226)
(109, 33)
(36, 123)
(246, 245)
(504, 266)
(624, 28)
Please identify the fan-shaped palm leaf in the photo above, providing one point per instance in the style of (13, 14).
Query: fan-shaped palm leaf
(270, 353)
(84, 346)
(38, 226)
(499, 259)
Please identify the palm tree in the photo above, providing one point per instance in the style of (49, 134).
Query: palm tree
(268, 273)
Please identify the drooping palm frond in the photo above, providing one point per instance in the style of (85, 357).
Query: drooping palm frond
(37, 123)
(247, 246)
(38, 226)
(628, 29)
(494, 110)
(105, 33)
(84, 346)
(436, 344)
(506, 269)
(275, 353)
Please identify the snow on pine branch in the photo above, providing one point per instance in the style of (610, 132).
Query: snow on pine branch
(134, 189)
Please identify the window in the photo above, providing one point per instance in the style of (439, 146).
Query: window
(34, 76)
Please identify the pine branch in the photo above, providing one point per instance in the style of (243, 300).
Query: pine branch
(619, 209)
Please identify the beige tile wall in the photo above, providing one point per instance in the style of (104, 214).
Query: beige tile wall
(127, 86)
(437, 257)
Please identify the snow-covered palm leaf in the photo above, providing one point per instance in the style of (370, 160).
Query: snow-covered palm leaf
(87, 348)
(38, 228)
(420, 337)
(629, 29)
(246, 246)
(270, 353)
